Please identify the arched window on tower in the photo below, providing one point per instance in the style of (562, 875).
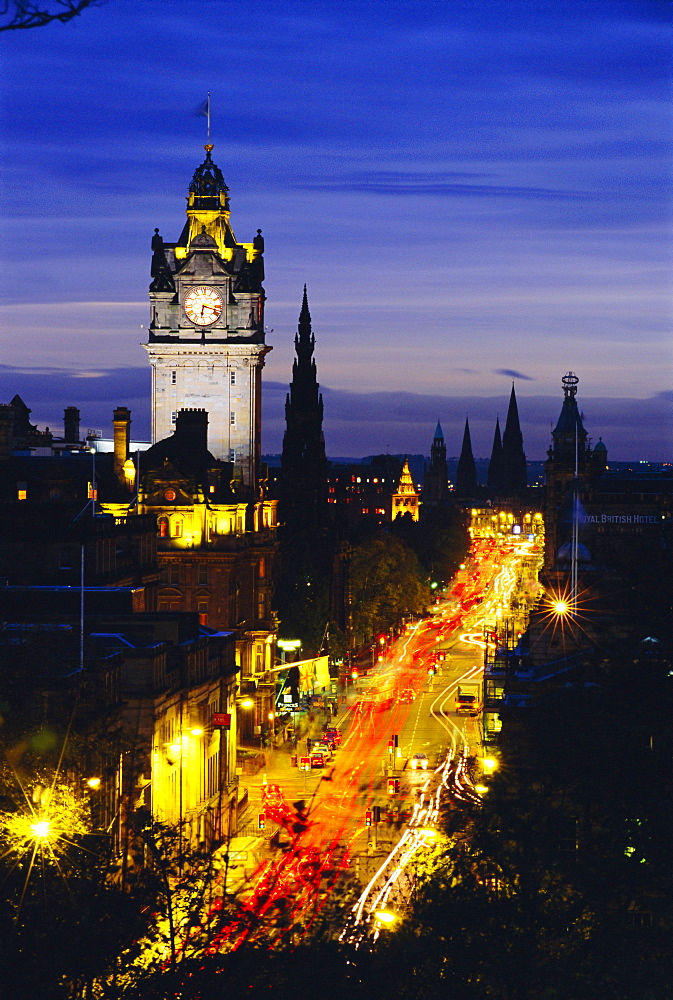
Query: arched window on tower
(163, 527)
(177, 528)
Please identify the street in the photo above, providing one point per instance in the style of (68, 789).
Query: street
(325, 819)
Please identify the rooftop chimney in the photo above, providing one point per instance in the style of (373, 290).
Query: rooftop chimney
(121, 421)
(191, 426)
(71, 425)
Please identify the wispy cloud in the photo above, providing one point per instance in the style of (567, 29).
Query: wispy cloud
(511, 373)
(433, 184)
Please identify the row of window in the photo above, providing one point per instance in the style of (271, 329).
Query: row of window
(232, 377)
(173, 574)
(232, 418)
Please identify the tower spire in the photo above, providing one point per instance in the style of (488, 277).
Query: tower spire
(494, 466)
(303, 461)
(513, 460)
(466, 474)
(436, 481)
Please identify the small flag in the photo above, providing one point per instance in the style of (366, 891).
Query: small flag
(203, 111)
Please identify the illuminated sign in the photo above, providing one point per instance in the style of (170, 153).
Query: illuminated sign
(619, 519)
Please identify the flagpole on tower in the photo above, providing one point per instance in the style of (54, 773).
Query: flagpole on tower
(208, 114)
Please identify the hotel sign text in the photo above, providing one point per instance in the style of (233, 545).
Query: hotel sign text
(619, 519)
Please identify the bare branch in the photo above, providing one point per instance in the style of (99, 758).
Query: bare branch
(16, 14)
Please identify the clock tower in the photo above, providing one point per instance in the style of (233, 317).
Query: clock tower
(206, 333)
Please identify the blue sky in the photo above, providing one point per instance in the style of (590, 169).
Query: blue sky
(474, 193)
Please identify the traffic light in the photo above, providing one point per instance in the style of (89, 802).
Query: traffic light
(309, 744)
(354, 674)
(261, 821)
(394, 739)
(391, 746)
(393, 786)
(368, 818)
(377, 813)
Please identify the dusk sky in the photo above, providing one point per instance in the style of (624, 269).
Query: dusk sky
(474, 191)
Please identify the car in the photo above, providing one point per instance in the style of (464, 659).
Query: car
(419, 761)
(272, 795)
(333, 735)
(323, 747)
(407, 696)
(318, 758)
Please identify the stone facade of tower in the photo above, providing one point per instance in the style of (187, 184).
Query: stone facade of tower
(303, 463)
(206, 333)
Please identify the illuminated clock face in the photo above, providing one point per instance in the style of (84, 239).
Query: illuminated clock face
(203, 305)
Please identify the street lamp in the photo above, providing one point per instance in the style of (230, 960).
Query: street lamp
(287, 646)
(41, 829)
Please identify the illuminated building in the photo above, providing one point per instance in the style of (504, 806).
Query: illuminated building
(405, 500)
(175, 678)
(520, 524)
(214, 545)
(206, 333)
(365, 490)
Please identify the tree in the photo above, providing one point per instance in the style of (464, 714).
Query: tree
(386, 584)
(568, 854)
(16, 14)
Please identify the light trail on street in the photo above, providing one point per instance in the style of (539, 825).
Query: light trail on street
(321, 835)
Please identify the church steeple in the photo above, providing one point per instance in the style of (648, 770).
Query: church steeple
(494, 466)
(435, 485)
(513, 460)
(303, 462)
(466, 474)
